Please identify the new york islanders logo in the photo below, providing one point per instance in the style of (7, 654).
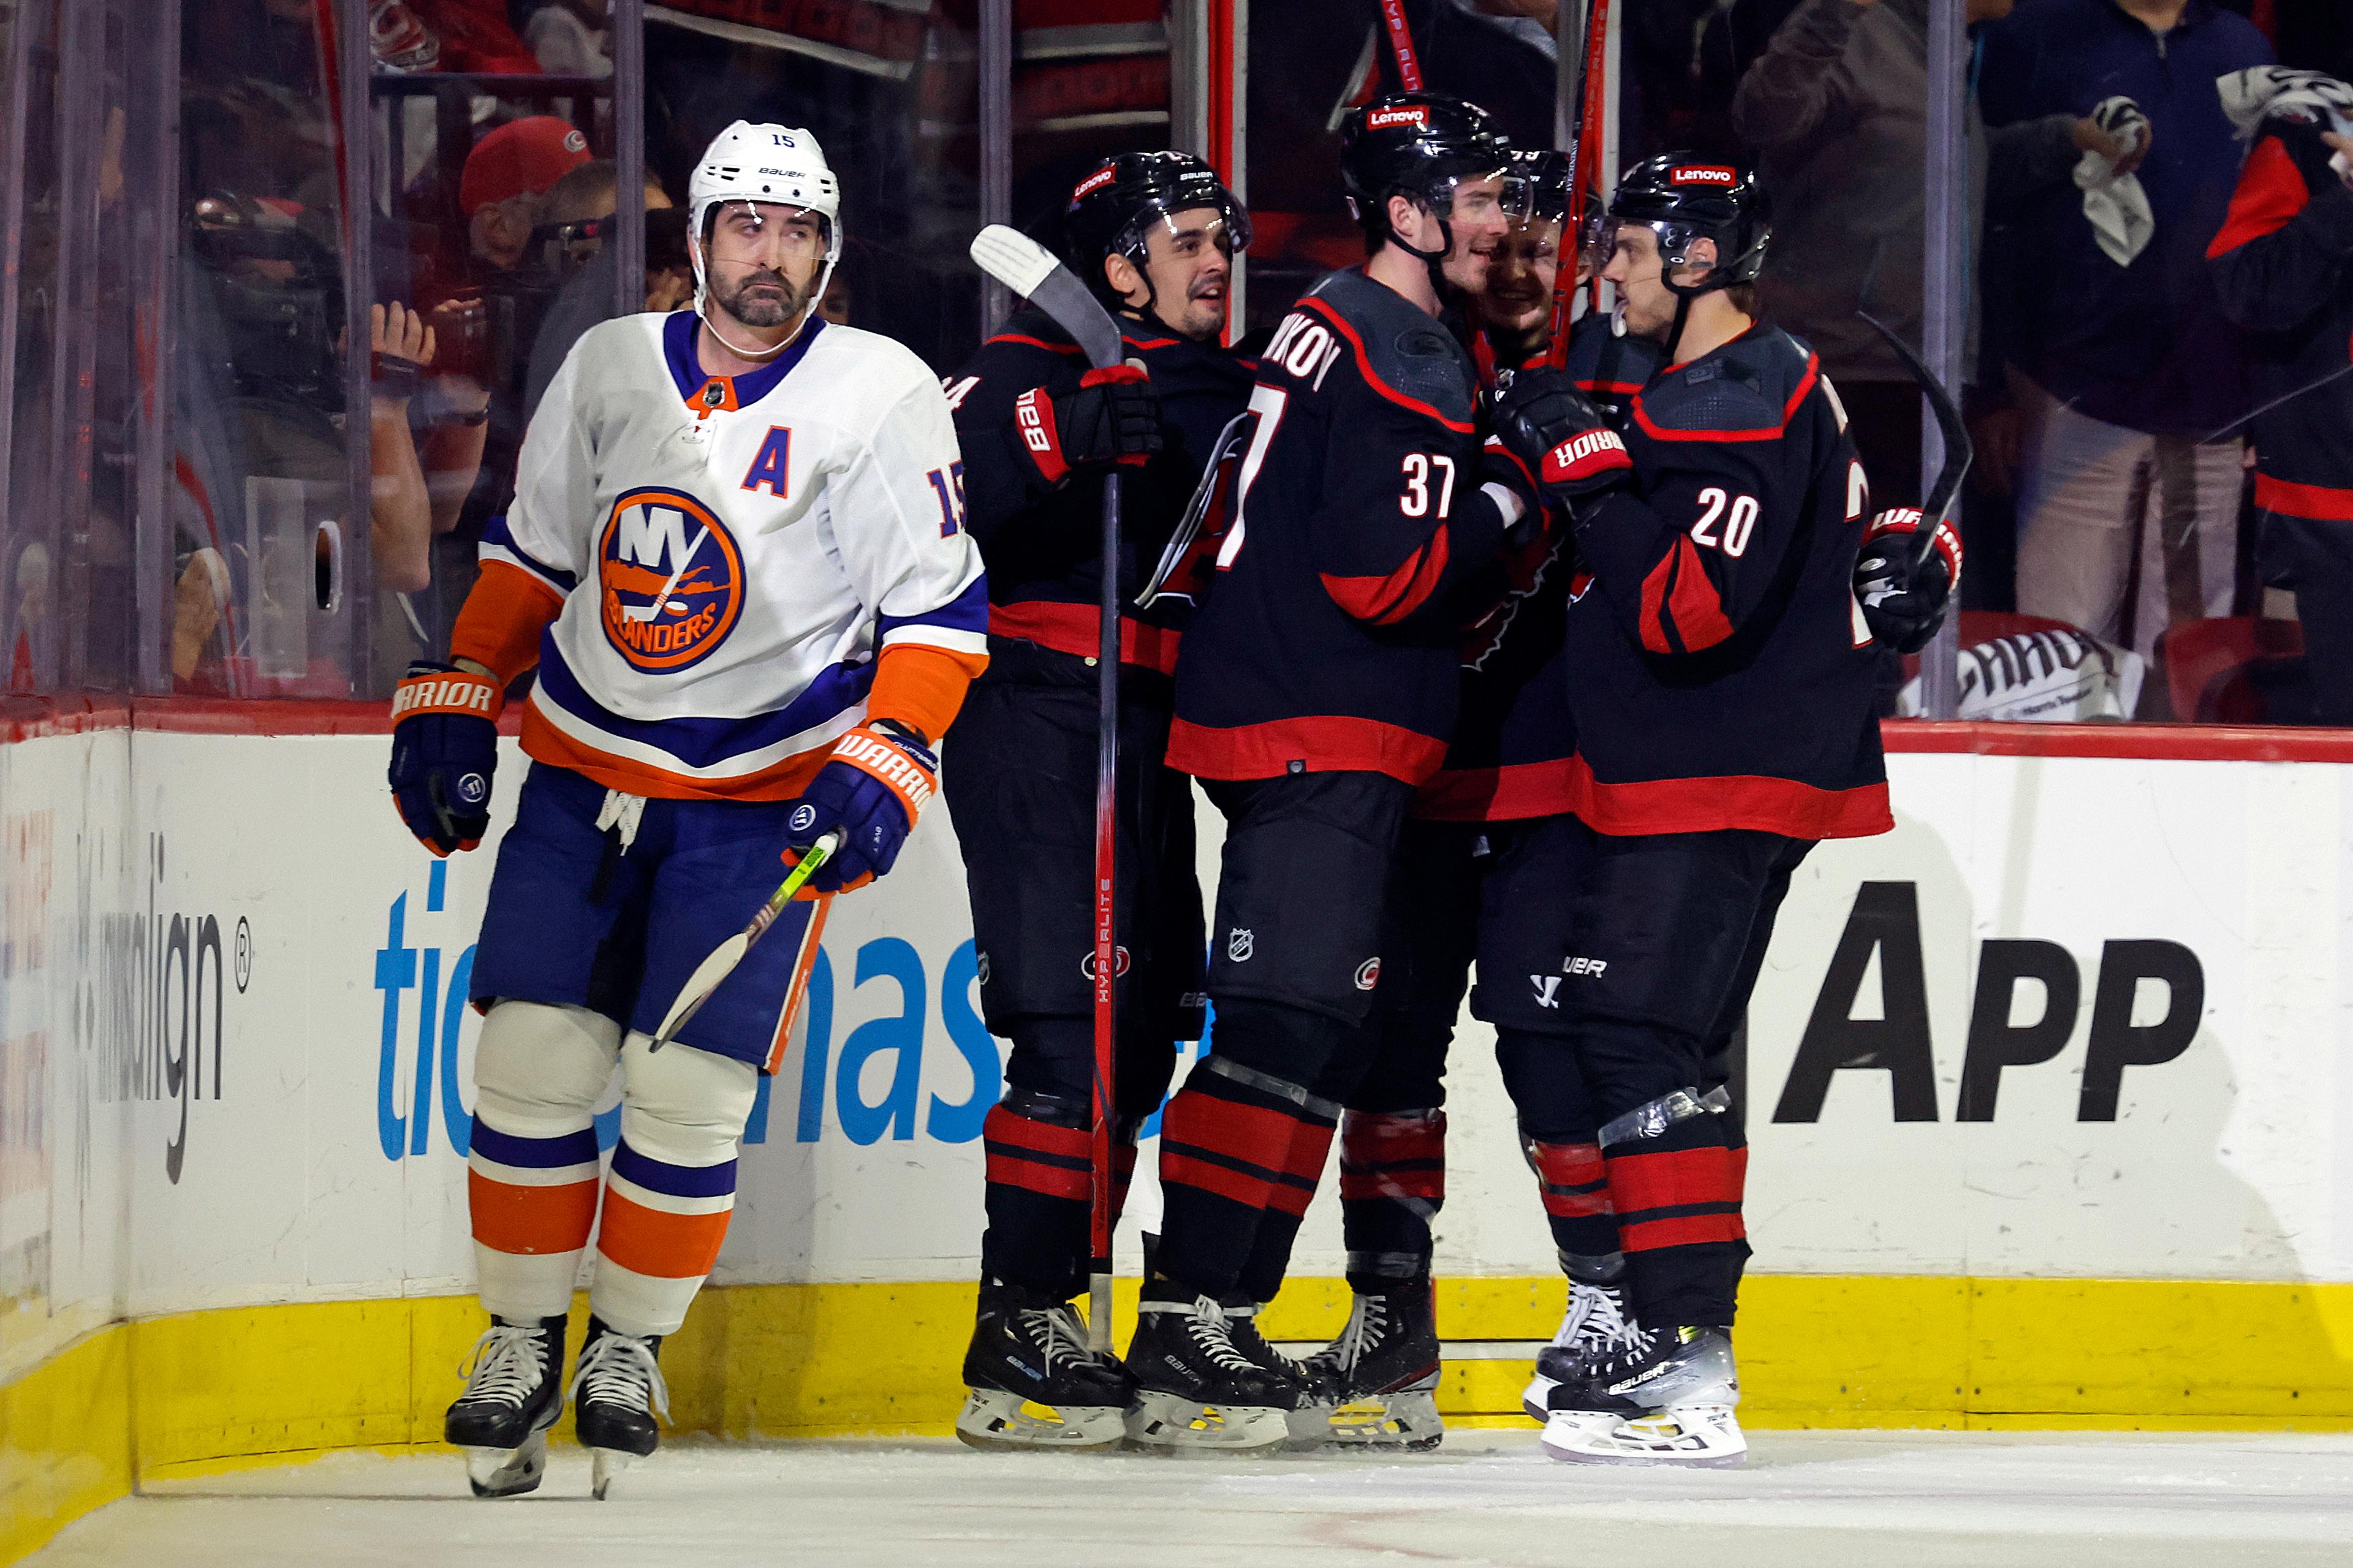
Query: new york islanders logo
(669, 579)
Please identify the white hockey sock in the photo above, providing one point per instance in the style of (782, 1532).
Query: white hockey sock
(672, 1184)
(532, 1168)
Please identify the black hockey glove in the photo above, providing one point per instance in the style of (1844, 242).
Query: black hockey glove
(1904, 604)
(1563, 437)
(1112, 418)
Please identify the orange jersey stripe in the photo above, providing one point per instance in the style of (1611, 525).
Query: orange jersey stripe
(499, 626)
(922, 686)
(662, 1246)
(546, 743)
(530, 1220)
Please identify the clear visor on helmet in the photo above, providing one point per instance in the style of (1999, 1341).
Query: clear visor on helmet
(746, 217)
(1606, 236)
(1529, 197)
(1469, 195)
(1192, 231)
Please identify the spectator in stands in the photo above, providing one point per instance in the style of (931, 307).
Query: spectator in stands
(2284, 265)
(569, 36)
(2131, 379)
(579, 208)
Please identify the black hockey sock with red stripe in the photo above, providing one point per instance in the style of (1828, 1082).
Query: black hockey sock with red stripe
(1676, 1186)
(1392, 1183)
(1575, 1185)
(1039, 1150)
(1240, 1148)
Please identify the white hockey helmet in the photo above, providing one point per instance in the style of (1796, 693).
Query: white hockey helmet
(748, 162)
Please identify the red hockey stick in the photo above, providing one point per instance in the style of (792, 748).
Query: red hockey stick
(1585, 163)
(1030, 270)
(1401, 45)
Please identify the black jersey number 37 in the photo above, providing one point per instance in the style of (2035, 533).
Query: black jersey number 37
(1422, 472)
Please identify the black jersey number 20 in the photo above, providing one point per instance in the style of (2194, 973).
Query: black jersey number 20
(1737, 513)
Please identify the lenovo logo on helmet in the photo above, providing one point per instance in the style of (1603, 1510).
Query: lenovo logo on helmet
(1095, 181)
(1715, 174)
(1389, 119)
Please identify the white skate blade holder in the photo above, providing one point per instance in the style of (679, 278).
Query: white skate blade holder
(605, 1465)
(996, 1418)
(508, 1472)
(1702, 1436)
(1171, 1424)
(1406, 1419)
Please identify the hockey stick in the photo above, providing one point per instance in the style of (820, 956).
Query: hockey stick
(1032, 271)
(1585, 159)
(1959, 451)
(723, 958)
(1401, 45)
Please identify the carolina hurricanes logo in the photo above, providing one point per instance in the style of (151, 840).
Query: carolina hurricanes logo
(1369, 975)
(669, 579)
(1703, 174)
(1118, 963)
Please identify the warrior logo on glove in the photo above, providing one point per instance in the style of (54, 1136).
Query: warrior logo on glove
(1585, 455)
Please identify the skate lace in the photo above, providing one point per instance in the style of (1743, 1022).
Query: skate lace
(1056, 1332)
(1213, 1333)
(1368, 1326)
(1605, 1326)
(1628, 1350)
(620, 1369)
(506, 1364)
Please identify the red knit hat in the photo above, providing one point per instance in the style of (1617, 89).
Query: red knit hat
(521, 155)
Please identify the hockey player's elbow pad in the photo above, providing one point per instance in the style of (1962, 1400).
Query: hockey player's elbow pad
(1904, 594)
(445, 750)
(879, 779)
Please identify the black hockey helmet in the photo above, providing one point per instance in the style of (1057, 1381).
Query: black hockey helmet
(1113, 208)
(1537, 184)
(1683, 197)
(1419, 145)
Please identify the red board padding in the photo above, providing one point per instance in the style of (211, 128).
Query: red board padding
(29, 718)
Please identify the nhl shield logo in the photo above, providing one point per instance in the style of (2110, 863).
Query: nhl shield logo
(1239, 944)
(669, 579)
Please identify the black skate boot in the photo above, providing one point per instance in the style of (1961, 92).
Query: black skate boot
(1029, 1354)
(1594, 1323)
(1375, 1386)
(515, 1390)
(1662, 1396)
(1196, 1392)
(616, 1390)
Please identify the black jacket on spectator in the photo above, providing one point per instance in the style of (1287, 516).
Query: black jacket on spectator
(1042, 540)
(1719, 669)
(1329, 638)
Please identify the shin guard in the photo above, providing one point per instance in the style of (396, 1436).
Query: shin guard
(531, 1177)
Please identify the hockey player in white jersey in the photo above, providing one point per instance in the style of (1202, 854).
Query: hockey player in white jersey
(737, 557)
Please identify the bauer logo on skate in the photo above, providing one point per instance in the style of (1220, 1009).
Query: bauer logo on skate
(669, 579)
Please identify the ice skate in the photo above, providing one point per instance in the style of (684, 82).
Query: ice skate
(1594, 1324)
(1677, 1388)
(515, 1390)
(616, 1391)
(1375, 1385)
(1034, 1382)
(1197, 1391)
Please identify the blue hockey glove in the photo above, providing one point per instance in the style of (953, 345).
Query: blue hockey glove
(879, 779)
(445, 748)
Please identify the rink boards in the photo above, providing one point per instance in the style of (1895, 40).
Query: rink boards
(2043, 1090)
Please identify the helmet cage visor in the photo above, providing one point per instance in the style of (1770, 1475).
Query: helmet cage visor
(1230, 230)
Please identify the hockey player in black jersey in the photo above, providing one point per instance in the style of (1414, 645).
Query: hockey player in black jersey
(1723, 697)
(1314, 691)
(1155, 234)
(1485, 857)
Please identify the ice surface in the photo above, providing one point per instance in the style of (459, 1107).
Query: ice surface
(1908, 1499)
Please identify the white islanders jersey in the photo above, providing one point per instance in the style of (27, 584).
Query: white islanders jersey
(733, 555)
